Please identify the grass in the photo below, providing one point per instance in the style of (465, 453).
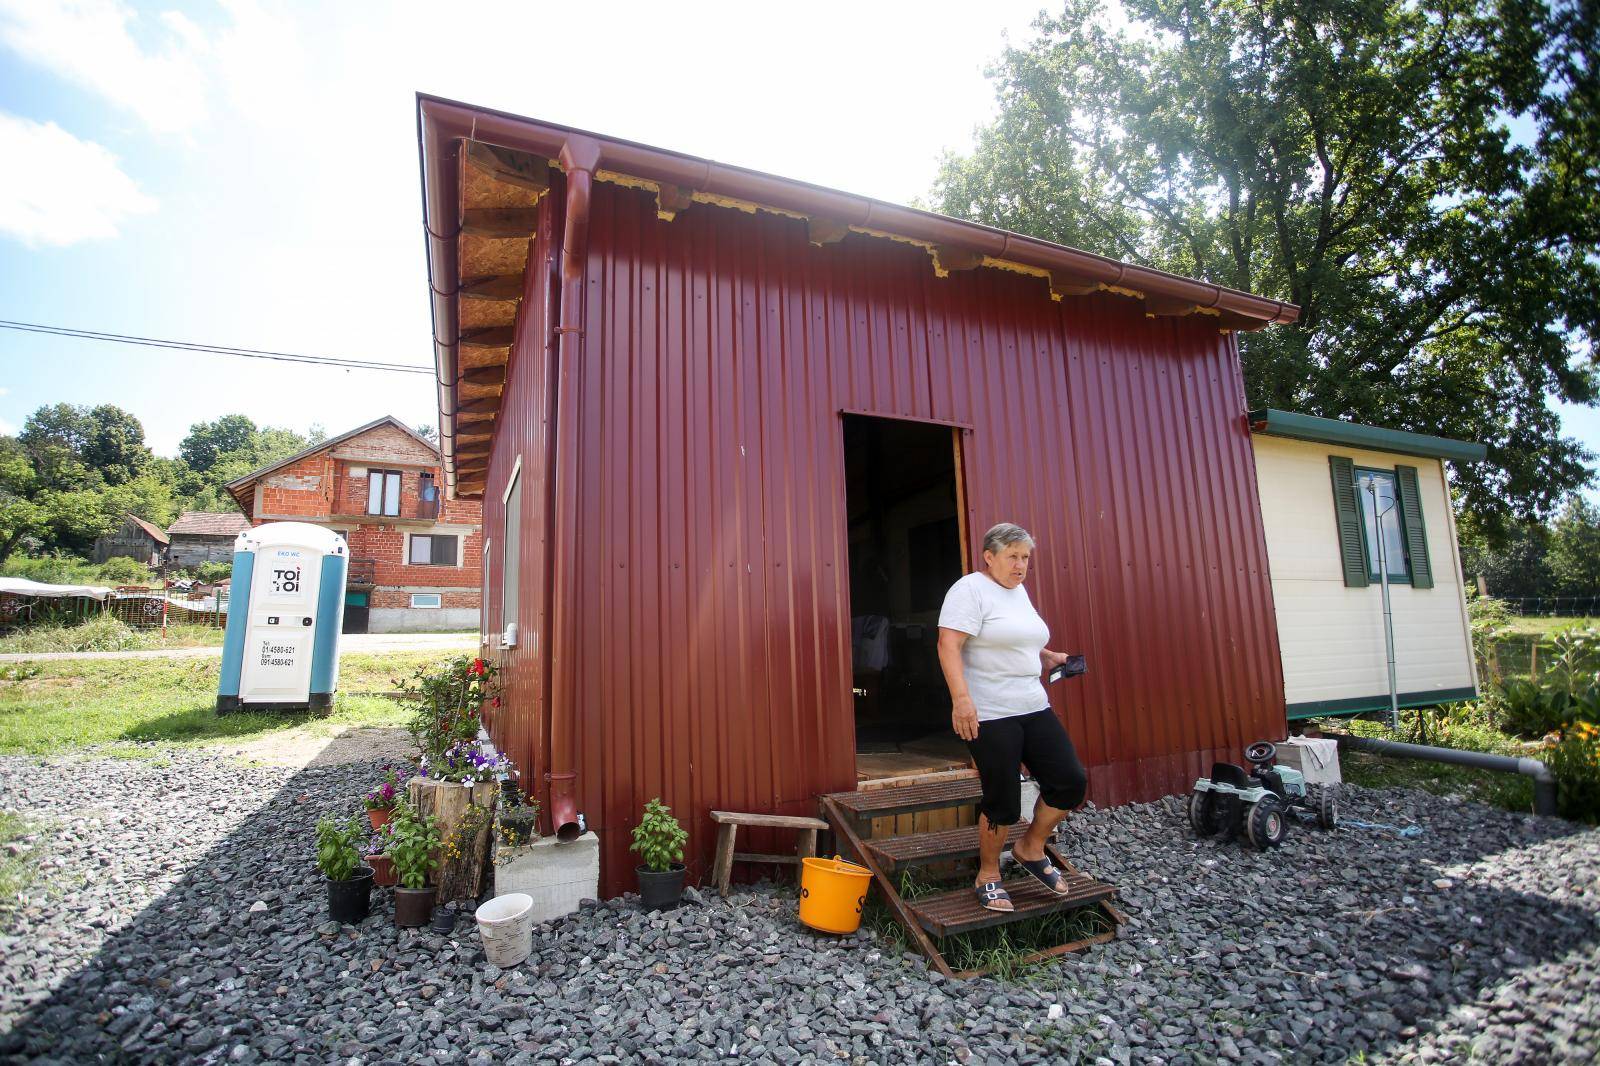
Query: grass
(17, 872)
(65, 705)
(1000, 949)
(1509, 791)
(107, 634)
(1537, 625)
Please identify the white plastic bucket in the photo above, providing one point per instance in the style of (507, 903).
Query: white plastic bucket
(506, 925)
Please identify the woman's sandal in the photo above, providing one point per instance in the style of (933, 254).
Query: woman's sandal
(1045, 873)
(990, 893)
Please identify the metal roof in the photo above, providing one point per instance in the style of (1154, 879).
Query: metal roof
(1276, 423)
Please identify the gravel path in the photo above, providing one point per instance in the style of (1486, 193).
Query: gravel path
(1480, 937)
(349, 644)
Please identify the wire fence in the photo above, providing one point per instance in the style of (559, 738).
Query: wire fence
(1553, 606)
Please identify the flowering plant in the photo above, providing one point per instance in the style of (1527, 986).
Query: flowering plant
(378, 842)
(383, 797)
(466, 761)
(446, 701)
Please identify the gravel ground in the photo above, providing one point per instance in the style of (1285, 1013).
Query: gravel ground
(185, 922)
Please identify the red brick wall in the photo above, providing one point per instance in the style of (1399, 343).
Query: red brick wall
(303, 489)
(382, 598)
(386, 544)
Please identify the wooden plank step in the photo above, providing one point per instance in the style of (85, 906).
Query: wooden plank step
(916, 849)
(768, 821)
(909, 799)
(958, 911)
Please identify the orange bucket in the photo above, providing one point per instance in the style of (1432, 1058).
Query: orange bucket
(832, 894)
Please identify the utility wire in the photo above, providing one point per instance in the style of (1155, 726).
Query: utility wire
(213, 349)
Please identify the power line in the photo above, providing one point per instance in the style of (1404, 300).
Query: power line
(213, 349)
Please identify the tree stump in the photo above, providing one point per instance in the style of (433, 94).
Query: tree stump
(459, 877)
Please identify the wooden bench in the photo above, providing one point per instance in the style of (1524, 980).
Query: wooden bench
(730, 821)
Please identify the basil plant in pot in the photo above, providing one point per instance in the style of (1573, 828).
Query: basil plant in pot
(412, 847)
(658, 839)
(339, 856)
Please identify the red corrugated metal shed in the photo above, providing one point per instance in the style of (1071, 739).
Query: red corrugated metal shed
(685, 594)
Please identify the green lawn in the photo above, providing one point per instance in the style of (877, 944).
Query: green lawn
(1538, 625)
(61, 705)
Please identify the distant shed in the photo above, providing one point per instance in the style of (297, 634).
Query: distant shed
(134, 539)
(1314, 476)
(204, 537)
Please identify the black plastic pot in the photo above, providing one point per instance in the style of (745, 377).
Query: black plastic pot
(413, 906)
(350, 901)
(661, 890)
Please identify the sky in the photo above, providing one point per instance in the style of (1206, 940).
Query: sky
(245, 173)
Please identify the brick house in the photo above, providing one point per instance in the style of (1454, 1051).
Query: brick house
(203, 537)
(415, 558)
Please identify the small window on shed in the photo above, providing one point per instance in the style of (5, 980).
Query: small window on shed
(426, 600)
(1380, 503)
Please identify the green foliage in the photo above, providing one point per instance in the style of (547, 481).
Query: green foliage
(1575, 762)
(339, 846)
(445, 701)
(658, 839)
(413, 837)
(207, 442)
(1566, 690)
(1490, 622)
(211, 573)
(121, 570)
(1352, 159)
(1575, 549)
(52, 569)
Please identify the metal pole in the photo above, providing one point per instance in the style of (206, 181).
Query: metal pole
(1388, 614)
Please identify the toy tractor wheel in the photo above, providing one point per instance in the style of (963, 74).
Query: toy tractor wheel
(1327, 809)
(1203, 814)
(1265, 824)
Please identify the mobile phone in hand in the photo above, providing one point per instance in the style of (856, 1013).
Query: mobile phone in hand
(1071, 668)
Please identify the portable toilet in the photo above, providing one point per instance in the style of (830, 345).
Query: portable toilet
(281, 649)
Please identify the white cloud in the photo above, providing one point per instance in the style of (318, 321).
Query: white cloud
(92, 43)
(60, 190)
(7, 429)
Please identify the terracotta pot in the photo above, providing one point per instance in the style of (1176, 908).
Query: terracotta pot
(379, 817)
(384, 874)
(413, 906)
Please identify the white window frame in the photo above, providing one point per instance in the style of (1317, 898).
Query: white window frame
(461, 547)
(383, 492)
(437, 597)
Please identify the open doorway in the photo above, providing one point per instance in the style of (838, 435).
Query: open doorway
(902, 495)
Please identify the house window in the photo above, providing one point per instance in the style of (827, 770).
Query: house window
(1385, 509)
(426, 600)
(383, 492)
(433, 549)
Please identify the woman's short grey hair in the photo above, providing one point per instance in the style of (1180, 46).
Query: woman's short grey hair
(1003, 535)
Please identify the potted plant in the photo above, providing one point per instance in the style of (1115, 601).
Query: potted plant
(377, 856)
(516, 821)
(349, 882)
(413, 838)
(380, 801)
(659, 840)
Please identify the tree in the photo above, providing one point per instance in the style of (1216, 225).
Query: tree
(115, 445)
(1422, 177)
(1514, 564)
(1575, 549)
(428, 433)
(209, 440)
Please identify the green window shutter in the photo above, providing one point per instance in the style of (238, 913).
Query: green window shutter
(1416, 533)
(1347, 514)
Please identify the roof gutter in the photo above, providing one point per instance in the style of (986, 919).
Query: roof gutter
(438, 153)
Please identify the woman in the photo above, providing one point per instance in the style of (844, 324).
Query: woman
(992, 650)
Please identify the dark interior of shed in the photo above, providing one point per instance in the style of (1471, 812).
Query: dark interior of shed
(905, 552)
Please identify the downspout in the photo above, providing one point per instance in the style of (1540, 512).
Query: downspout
(579, 158)
(1544, 782)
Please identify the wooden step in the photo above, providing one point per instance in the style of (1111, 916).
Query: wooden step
(918, 849)
(909, 799)
(958, 911)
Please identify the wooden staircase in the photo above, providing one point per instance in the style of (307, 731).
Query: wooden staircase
(957, 911)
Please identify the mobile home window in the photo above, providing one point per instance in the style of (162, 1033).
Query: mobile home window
(1394, 527)
(509, 562)
(383, 492)
(426, 600)
(432, 550)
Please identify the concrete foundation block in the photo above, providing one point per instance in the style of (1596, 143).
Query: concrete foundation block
(555, 875)
(1315, 757)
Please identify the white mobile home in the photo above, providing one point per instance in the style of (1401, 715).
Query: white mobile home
(1324, 487)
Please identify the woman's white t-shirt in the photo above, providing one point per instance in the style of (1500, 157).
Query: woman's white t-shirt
(1004, 638)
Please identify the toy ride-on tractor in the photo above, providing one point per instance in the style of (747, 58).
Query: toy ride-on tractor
(1258, 803)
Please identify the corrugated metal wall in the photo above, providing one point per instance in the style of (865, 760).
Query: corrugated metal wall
(711, 614)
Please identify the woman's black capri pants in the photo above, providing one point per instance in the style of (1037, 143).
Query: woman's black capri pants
(1039, 740)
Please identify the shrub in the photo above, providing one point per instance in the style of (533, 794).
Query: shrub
(658, 838)
(211, 573)
(1575, 762)
(1490, 620)
(103, 632)
(446, 701)
(338, 846)
(122, 570)
(413, 838)
(52, 569)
